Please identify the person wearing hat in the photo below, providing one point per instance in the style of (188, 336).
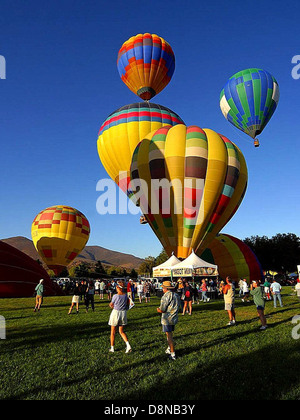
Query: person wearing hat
(259, 301)
(169, 308)
(39, 290)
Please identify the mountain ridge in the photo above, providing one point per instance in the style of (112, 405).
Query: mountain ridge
(90, 254)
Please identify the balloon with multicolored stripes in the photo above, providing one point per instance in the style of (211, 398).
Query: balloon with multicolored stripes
(249, 99)
(122, 131)
(188, 182)
(59, 234)
(234, 258)
(146, 64)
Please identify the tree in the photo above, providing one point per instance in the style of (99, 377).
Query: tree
(99, 269)
(133, 274)
(280, 253)
(82, 270)
(163, 257)
(147, 266)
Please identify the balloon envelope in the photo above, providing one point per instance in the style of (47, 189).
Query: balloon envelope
(207, 176)
(249, 99)
(146, 64)
(19, 274)
(59, 234)
(122, 131)
(234, 258)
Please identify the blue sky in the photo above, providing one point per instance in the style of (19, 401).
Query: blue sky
(62, 82)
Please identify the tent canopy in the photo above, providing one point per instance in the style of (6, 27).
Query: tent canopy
(194, 265)
(164, 269)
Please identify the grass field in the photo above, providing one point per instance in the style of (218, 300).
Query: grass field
(50, 355)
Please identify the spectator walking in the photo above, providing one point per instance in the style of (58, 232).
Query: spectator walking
(267, 289)
(204, 291)
(229, 299)
(169, 308)
(258, 297)
(118, 317)
(276, 292)
(39, 290)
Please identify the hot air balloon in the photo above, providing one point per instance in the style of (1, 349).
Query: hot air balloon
(203, 179)
(146, 64)
(249, 99)
(122, 131)
(19, 274)
(59, 234)
(234, 258)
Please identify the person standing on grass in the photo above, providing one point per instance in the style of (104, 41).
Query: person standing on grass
(102, 289)
(188, 297)
(97, 287)
(276, 292)
(169, 308)
(204, 291)
(229, 299)
(147, 291)
(140, 291)
(118, 317)
(267, 289)
(297, 289)
(90, 296)
(245, 291)
(75, 299)
(39, 290)
(259, 301)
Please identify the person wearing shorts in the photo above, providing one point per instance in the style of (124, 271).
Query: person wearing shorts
(118, 317)
(169, 308)
(188, 299)
(229, 299)
(259, 301)
(75, 299)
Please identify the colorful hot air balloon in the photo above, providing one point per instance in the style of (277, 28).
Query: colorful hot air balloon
(122, 131)
(59, 234)
(209, 178)
(234, 258)
(249, 99)
(146, 64)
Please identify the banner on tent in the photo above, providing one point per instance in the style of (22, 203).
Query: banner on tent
(189, 272)
(162, 272)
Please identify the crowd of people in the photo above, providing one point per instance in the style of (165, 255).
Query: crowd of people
(177, 297)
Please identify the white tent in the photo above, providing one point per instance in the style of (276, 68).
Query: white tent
(194, 266)
(164, 269)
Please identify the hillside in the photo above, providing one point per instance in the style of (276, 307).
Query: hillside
(90, 254)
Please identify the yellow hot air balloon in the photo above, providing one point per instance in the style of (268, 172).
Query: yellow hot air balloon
(207, 176)
(122, 131)
(59, 234)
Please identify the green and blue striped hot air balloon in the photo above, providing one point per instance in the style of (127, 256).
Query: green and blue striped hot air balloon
(249, 99)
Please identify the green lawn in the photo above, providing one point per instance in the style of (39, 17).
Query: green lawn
(50, 355)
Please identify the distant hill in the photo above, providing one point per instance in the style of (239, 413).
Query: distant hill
(90, 254)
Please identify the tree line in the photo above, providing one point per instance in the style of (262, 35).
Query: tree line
(280, 253)
(94, 271)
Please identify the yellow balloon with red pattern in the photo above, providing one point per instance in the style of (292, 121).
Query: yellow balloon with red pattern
(59, 234)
